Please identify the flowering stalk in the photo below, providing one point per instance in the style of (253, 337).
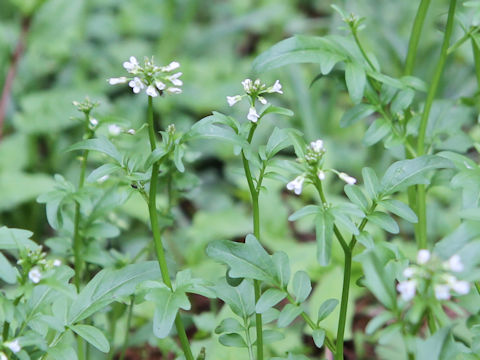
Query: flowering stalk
(152, 209)
(421, 192)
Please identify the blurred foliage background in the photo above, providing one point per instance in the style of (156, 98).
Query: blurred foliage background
(72, 47)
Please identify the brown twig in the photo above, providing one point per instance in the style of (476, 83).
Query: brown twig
(16, 56)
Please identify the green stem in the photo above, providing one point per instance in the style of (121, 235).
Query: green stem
(469, 34)
(248, 340)
(152, 209)
(347, 271)
(476, 58)
(421, 192)
(360, 46)
(256, 231)
(415, 36)
(127, 330)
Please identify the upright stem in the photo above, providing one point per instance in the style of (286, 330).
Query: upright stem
(415, 36)
(157, 238)
(421, 193)
(129, 321)
(342, 320)
(256, 231)
(476, 58)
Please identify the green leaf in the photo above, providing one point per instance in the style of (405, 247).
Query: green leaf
(376, 131)
(241, 298)
(301, 49)
(7, 272)
(370, 179)
(356, 113)
(318, 337)
(401, 209)
(105, 169)
(101, 144)
(269, 298)
(248, 260)
(276, 110)
(402, 100)
(167, 303)
(405, 173)
(229, 325)
(178, 154)
(301, 286)
(384, 221)
(278, 140)
(378, 321)
(326, 309)
(470, 214)
(93, 336)
(16, 239)
(156, 155)
(356, 196)
(270, 336)
(305, 211)
(205, 128)
(324, 234)
(356, 79)
(288, 314)
(366, 239)
(232, 340)
(282, 267)
(109, 285)
(343, 219)
(431, 348)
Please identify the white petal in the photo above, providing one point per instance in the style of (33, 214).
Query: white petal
(442, 292)
(160, 85)
(462, 287)
(347, 178)
(14, 345)
(174, 90)
(252, 115)
(455, 263)
(57, 262)
(114, 129)
(151, 91)
(423, 256)
(35, 276)
(119, 80)
(321, 175)
(262, 100)
(232, 100)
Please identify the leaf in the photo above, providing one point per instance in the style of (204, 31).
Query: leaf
(401, 209)
(405, 173)
(93, 336)
(232, 340)
(248, 260)
(156, 155)
(356, 79)
(378, 321)
(384, 221)
(402, 100)
(326, 309)
(270, 336)
(343, 219)
(370, 179)
(431, 348)
(269, 298)
(376, 131)
(105, 169)
(178, 154)
(301, 286)
(229, 325)
(205, 128)
(305, 211)
(356, 196)
(101, 144)
(324, 234)
(278, 140)
(366, 240)
(355, 114)
(282, 267)
(318, 337)
(288, 314)
(470, 214)
(301, 49)
(276, 110)
(109, 285)
(7, 272)
(16, 239)
(241, 298)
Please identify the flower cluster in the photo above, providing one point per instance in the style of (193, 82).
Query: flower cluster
(35, 262)
(86, 106)
(154, 79)
(313, 161)
(255, 90)
(14, 346)
(430, 272)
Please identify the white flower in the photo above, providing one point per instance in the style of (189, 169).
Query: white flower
(93, 122)
(442, 292)
(160, 85)
(277, 87)
(407, 289)
(321, 174)
(57, 262)
(132, 65)
(103, 179)
(35, 275)
(151, 91)
(119, 80)
(174, 79)
(174, 90)
(455, 263)
(247, 85)
(262, 100)
(296, 184)
(461, 287)
(252, 115)
(423, 256)
(3, 356)
(317, 146)
(14, 346)
(131, 131)
(172, 66)
(347, 178)
(408, 272)
(136, 84)
(232, 100)
(114, 129)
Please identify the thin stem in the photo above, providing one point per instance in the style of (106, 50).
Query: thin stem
(421, 193)
(248, 340)
(256, 231)
(360, 46)
(476, 58)
(347, 270)
(127, 330)
(415, 36)
(152, 209)
(469, 34)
